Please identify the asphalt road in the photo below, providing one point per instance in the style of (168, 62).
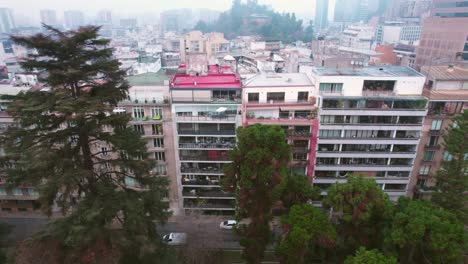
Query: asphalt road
(207, 232)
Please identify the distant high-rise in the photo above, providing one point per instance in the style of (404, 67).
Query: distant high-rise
(73, 19)
(444, 37)
(48, 17)
(321, 14)
(104, 17)
(351, 10)
(7, 24)
(408, 8)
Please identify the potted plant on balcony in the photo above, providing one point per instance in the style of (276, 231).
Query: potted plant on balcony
(250, 115)
(156, 117)
(145, 118)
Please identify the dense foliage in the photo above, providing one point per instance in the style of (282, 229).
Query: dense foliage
(308, 235)
(259, 162)
(79, 153)
(421, 231)
(452, 180)
(362, 211)
(236, 22)
(374, 256)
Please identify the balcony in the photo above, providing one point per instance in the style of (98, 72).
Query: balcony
(149, 102)
(207, 132)
(298, 163)
(211, 118)
(213, 183)
(146, 119)
(204, 170)
(199, 193)
(370, 93)
(204, 158)
(300, 149)
(226, 145)
(424, 189)
(305, 102)
(212, 100)
(279, 121)
(299, 134)
(436, 147)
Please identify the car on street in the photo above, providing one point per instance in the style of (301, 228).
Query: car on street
(228, 224)
(175, 239)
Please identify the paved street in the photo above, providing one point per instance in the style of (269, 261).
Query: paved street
(208, 227)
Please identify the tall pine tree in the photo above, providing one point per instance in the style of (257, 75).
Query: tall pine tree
(78, 152)
(452, 180)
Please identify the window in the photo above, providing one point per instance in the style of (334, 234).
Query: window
(276, 97)
(432, 142)
(2, 191)
(424, 170)
(428, 155)
(138, 112)
(330, 133)
(436, 124)
(299, 156)
(104, 151)
(302, 96)
(157, 129)
(253, 97)
(447, 156)
(194, 46)
(156, 113)
(17, 192)
(422, 183)
(33, 192)
(331, 87)
(158, 143)
(129, 181)
(160, 169)
(395, 187)
(160, 156)
(139, 129)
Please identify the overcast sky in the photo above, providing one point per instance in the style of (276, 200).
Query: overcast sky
(30, 8)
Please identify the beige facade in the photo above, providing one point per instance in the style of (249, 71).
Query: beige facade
(212, 45)
(447, 91)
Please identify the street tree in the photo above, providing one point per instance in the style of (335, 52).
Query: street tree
(362, 212)
(425, 233)
(452, 180)
(82, 156)
(259, 162)
(297, 189)
(374, 256)
(308, 235)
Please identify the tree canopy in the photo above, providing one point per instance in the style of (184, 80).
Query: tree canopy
(259, 163)
(452, 180)
(362, 211)
(79, 153)
(421, 231)
(374, 256)
(243, 19)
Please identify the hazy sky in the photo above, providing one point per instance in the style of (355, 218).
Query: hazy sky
(32, 7)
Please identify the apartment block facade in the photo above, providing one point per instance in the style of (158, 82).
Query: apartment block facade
(206, 112)
(370, 124)
(447, 90)
(287, 100)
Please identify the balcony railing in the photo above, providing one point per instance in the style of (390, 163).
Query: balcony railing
(147, 119)
(207, 132)
(207, 145)
(378, 93)
(267, 102)
(207, 118)
(212, 100)
(436, 147)
(200, 182)
(300, 149)
(299, 134)
(200, 193)
(165, 101)
(202, 170)
(205, 158)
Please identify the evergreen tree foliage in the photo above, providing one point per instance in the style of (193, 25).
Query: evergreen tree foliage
(452, 180)
(296, 189)
(78, 152)
(424, 233)
(364, 256)
(282, 26)
(308, 235)
(259, 163)
(362, 211)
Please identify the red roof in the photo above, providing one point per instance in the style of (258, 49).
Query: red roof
(216, 78)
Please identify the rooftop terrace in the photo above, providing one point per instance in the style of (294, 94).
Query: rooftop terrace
(217, 77)
(381, 71)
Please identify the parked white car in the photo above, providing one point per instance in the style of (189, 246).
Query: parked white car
(175, 239)
(228, 224)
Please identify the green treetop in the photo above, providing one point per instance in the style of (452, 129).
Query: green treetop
(79, 153)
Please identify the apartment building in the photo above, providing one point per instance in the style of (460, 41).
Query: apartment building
(212, 45)
(287, 100)
(149, 105)
(206, 112)
(22, 198)
(447, 90)
(370, 124)
(444, 37)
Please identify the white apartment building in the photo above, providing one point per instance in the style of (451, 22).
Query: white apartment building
(370, 124)
(358, 37)
(394, 32)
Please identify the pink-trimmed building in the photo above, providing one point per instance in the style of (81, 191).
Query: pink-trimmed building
(287, 100)
(205, 112)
